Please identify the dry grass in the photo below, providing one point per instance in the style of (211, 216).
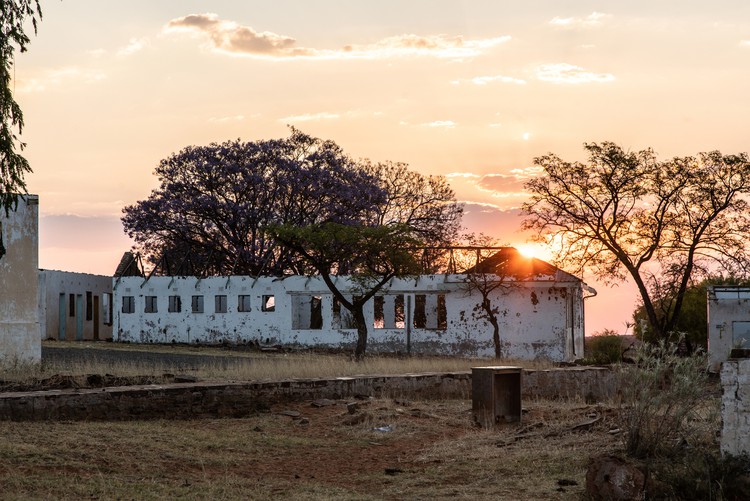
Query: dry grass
(217, 364)
(432, 452)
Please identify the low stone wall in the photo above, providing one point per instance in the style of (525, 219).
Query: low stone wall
(212, 400)
(735, 407)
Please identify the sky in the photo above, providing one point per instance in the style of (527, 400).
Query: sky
(472, 90)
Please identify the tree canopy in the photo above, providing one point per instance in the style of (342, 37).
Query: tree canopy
(626, 214)
(13, 166)
(214, 203)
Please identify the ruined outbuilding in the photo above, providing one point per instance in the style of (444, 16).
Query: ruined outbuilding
(540, 311)
(19, 320)
(728, 322)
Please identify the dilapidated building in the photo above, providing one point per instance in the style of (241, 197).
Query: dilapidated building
(19, 320)
(74, 306)
(540, 315)
(728, 322)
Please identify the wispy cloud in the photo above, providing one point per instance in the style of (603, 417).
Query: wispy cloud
(593, 20)
(447, 124)
(485, 80)
(310, 117)
(232, 38)
(233, 118)
(60, 77)
(570, 74)
(133, 46)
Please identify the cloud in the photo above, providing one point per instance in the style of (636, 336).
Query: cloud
(570, 74)
(501, 185)
(233, 118)
(311, 117)
(447, 124)
(484, 80)
(60, 77)
(232, 38)
(745, 43)
(504, 225)
(135, 45)
(593, 20)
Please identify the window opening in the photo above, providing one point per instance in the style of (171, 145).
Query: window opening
(197, 304)
(268, 303)
(150, 305)
(128, 304)
(220, 305)
(89, 305)
(175, 304)
(243, 303)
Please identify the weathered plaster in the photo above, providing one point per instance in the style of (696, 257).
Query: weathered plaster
(541, 318)
(19, 322)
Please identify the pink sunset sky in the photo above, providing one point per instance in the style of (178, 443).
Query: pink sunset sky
(472, 90)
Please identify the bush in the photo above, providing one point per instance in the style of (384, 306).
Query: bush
(667, 404)
(603, 349)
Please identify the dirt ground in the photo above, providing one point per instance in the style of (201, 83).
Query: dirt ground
(365, 449)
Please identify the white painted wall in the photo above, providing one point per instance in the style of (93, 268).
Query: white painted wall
(19, 321)
(539, 319)
(74, 306)
(728, 322)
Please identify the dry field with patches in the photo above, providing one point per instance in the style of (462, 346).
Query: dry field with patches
(384, 449)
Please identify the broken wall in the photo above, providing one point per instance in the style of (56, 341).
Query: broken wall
(728, 322)
(19, 320)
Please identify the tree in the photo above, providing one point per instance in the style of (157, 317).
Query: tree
(13, 166)
(660, 223)
(417, 210)
(373, 255)
(215, 202)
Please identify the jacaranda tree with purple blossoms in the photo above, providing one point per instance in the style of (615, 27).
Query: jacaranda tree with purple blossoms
(215, 202)
(295, 205)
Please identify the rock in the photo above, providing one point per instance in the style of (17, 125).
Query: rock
(355, 419)
(303, 421)
(323, 402)
(291, 414)
(613, 479)
(352, 407)
(184, 378)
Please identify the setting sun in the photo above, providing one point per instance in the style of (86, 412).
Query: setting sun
(532, 251)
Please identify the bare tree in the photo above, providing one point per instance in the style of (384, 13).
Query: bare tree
(625, 214)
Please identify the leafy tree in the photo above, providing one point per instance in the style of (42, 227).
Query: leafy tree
(215, 202)
(417, 210)
(13, 166)
(372, 254)
(660, 223)
(693, 318)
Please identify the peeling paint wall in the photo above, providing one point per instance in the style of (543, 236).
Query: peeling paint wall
(728, 322)
(428, 315)
(75, 306)
(19, 321)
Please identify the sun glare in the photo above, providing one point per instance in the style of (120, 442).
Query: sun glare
(531, 250)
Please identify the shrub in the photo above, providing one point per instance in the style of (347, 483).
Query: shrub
(666, 402)
(603, 349)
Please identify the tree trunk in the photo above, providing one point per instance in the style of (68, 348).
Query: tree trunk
(359, 321)
(492, 319)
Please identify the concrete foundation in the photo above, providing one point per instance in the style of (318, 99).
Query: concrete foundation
(735, 407)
